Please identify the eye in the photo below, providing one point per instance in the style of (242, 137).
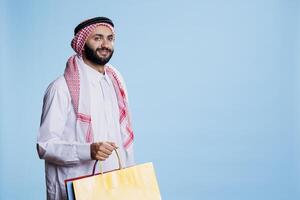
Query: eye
(111, 38)
(98, 37)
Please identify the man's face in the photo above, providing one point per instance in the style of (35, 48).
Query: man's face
(99, 46)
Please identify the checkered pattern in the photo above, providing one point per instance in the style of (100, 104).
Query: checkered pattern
(125, 121)
(73, 80)
(81, 37)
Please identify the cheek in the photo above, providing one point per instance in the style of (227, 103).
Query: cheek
(111, 45)
(94, 45)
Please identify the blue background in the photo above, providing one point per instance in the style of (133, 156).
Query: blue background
(213, 85)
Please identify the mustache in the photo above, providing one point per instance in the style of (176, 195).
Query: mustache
(104, 49)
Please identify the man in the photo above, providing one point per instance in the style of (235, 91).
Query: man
(85, 112)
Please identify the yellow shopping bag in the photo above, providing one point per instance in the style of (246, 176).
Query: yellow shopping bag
(133, 183)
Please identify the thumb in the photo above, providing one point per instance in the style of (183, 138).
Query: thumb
(113, 144)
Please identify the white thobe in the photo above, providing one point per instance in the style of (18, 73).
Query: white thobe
(64, 156)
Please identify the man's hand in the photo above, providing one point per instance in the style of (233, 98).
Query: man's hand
(101, 150)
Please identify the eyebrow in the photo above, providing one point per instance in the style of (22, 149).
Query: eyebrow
(111, 35)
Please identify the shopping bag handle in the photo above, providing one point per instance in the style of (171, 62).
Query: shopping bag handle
(101, 163)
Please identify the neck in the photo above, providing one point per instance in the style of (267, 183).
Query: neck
(99, 68)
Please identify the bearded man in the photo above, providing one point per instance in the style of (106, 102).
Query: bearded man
(85, 111)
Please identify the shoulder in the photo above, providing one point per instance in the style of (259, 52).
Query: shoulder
(116, 71)
(119, 75)
(57, 99)
(57, 87)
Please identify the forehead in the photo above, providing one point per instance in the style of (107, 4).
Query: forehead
(102, 30)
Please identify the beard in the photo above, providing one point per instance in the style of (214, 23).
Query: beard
(92, 55)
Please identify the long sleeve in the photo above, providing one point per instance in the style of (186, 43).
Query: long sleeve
(56, 142)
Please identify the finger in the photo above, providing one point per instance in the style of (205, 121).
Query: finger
(102, 154)
(106, 150)
(108, 146)
(100, 158)
(113, 144)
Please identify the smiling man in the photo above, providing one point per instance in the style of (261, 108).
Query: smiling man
(85, 111)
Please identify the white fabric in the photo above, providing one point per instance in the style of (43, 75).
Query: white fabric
(65, 156)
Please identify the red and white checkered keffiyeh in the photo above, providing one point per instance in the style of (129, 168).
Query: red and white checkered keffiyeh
(76, 82)
(81, 37)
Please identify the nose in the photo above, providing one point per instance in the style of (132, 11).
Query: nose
(105, 43)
